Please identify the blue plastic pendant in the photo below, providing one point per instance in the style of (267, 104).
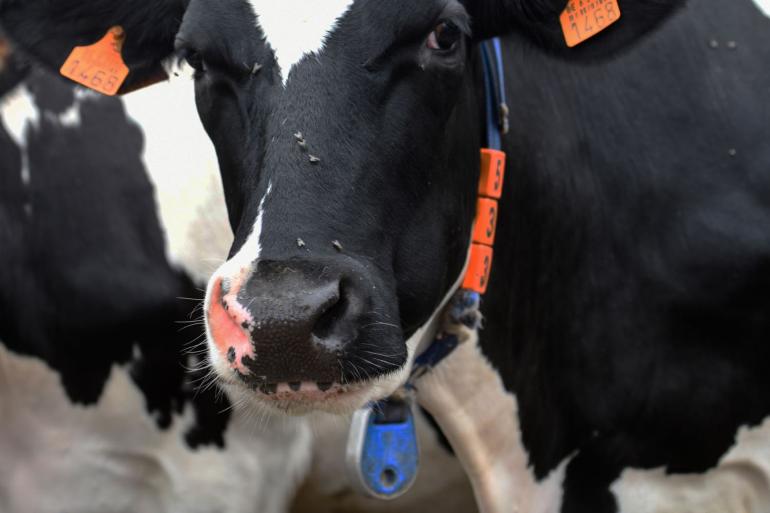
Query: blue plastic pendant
(382, 452)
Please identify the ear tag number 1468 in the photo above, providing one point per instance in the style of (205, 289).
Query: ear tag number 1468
(99, 66)
(583, 19)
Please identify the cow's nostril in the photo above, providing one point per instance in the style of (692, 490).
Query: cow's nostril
(327, 326)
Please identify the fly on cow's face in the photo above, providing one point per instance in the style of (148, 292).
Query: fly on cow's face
(301, 140)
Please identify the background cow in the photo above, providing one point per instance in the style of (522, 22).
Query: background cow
(99, 413)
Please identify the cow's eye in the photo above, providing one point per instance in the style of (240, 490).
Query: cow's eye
(444, 37)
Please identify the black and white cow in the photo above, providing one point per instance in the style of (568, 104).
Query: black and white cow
(626, 311)
(99, 410)
(147, 431)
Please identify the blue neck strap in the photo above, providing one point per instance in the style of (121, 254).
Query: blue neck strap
(494, 87)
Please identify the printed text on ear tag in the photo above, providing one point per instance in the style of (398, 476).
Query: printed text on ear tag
(98, 66)
(583, 19)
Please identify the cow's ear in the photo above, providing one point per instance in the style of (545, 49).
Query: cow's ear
(48, 31)
(574, 28)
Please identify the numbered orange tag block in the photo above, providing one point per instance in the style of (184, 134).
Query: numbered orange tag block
(583, 19)
(99, 66)
(486, 221)
(492, 173)
(479, 267)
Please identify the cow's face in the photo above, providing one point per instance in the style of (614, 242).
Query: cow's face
(347, 136)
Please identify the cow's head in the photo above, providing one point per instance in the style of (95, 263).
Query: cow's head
(348, 135)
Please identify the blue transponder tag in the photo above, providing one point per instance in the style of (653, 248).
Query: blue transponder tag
(382, 453)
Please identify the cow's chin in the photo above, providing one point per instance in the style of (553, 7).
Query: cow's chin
(337, 399)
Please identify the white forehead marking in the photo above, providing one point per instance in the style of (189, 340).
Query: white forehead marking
(295, 28)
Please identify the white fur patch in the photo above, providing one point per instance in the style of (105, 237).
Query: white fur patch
(182, 165)
(485, 434)
(70, 118)
(19, 115)
(112, 458)
(296, 28)
(764, 6)
(739, 484)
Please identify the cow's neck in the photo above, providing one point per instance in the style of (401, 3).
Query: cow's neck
(528, 308)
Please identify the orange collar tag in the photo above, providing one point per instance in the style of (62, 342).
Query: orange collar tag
(583, 19)
(98, 66)
(485, 224)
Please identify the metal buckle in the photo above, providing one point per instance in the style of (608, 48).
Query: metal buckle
(382, 455)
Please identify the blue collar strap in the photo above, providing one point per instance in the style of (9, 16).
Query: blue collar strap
(382, 455)
(498, 114)
(464, 310)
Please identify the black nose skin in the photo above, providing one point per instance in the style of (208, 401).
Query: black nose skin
(303, 316)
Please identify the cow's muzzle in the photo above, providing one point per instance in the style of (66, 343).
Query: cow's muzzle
(291, 328)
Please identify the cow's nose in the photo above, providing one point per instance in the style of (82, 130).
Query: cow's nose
(287, 324)
(295, 316)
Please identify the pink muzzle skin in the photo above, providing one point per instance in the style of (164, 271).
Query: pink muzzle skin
(230, 324)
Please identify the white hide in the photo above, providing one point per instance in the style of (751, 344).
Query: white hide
(296, 28)
(112, 458)
(480, 418)
(739, 484)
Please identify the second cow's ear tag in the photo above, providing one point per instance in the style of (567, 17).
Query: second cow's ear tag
(99, 66)
(583, 19)
(382, 453)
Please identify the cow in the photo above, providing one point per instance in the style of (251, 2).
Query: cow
(134, 425)
(625, 316)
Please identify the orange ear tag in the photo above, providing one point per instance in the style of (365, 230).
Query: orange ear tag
(99, 66)
(583, 19)
(479, 267)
